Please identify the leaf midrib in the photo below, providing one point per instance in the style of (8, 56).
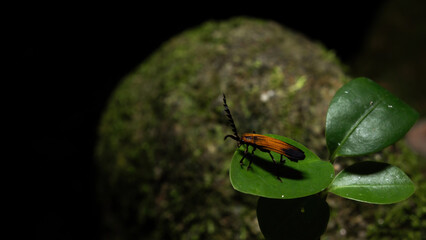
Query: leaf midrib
(357, 123)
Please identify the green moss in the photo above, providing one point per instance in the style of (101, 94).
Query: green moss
(277, 77)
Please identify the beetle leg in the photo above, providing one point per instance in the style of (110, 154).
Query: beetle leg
(278, 170)
(251, 159)
(245, 153)
(281, 159)
(272, 157)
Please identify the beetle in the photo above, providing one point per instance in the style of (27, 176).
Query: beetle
(262, 142)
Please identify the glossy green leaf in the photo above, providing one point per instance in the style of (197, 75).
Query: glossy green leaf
(300, 218)
(298, 179)
(365, 118)
(373, 182)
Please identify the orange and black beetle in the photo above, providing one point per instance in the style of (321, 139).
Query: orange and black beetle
(262, 142)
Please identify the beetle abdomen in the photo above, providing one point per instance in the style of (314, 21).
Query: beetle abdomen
(294, 155)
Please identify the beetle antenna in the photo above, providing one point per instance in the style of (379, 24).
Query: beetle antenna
(230, 120)
(231, 136)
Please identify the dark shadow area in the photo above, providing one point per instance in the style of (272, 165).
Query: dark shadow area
(278, 169)
(299, 218)
(367, 167)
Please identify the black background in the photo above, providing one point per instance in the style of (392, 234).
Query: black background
(70, 59)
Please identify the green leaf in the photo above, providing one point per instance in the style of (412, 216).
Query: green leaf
(373, 182)
(300, 218)
(299, 179)
(365, 118)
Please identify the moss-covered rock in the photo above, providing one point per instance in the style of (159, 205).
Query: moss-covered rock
(161, 156)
